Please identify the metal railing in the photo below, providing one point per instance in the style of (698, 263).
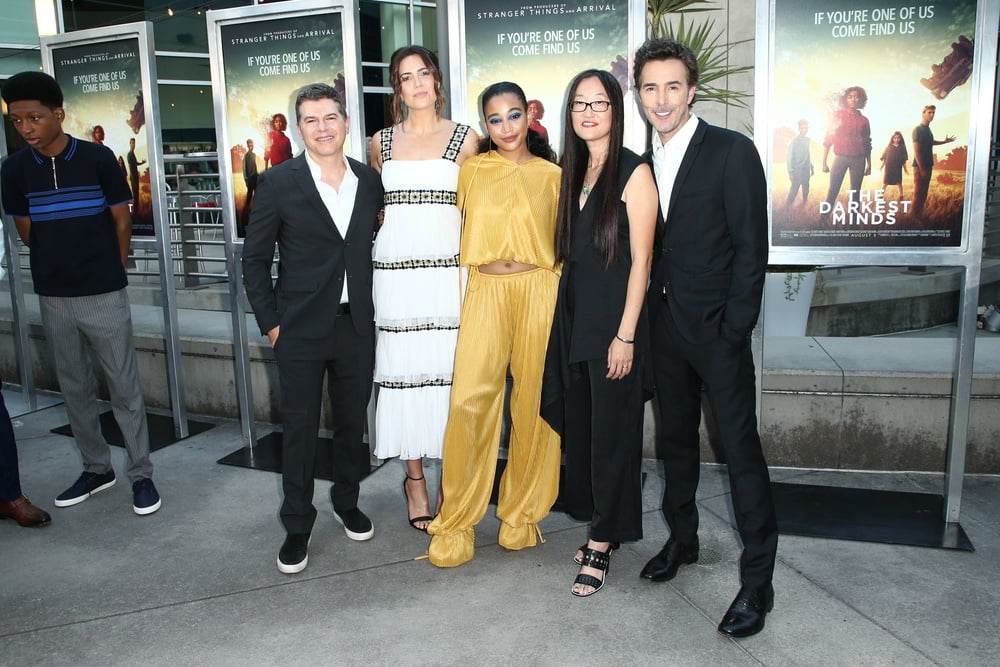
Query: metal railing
(991, 227)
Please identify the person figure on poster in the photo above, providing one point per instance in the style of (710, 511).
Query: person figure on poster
(704, 300)
(133, 171)
(894, 159)
(509, 196)
(279, 146)
(536, 111)
(597, 376)
(850, 138)
(250, 180)
(923, 158)
(71, 207)
(97, 135)
(320, 208)
(799, 162)
(417, 278)
(121, 165)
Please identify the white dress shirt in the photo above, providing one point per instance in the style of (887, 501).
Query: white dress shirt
(339, 204)
(667, 160)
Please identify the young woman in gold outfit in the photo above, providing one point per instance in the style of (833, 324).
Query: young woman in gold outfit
(509, 197)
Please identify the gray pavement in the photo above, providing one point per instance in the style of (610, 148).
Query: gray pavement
(196, 583)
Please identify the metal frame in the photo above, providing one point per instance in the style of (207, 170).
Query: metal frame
(968, 255)
(143, 32)
(234, 245)
(635, 124)
(15, 281)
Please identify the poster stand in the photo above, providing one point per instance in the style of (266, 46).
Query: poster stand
(97, 70)
(260, 55)
(927, 519)
(546, 48)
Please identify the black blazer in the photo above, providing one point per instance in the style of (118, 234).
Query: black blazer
(313, 257)
(712, 247)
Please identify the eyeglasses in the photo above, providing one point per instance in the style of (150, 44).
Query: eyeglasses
(597, 106)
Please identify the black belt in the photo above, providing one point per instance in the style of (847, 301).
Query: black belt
(344, 309)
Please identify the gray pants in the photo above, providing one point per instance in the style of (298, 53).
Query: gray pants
(105, 322)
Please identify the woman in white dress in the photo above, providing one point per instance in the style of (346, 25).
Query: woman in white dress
(417, 279)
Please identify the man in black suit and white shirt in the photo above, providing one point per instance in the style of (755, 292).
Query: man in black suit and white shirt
(704, 299)
(321, 209)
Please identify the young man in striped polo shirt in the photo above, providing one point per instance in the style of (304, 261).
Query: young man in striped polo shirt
(71, 204)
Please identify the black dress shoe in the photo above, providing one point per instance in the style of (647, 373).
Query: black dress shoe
(664, 565)
(746, 614)
(294, 554)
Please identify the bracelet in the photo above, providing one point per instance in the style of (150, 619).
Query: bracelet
(627, 341)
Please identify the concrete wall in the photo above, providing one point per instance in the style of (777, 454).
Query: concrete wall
(868, 301)
(843, 403)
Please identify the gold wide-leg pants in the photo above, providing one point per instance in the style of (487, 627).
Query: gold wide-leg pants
(505, 320)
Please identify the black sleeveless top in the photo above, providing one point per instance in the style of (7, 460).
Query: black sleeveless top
(595, 294)
(591, 299)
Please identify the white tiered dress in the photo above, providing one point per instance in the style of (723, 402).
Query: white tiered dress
(417, 300)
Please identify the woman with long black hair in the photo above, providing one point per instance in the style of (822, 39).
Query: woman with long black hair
(596, 375)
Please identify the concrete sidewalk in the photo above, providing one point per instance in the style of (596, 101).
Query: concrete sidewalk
(196, 583)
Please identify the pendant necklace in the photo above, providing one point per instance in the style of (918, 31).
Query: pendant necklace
(587, 188)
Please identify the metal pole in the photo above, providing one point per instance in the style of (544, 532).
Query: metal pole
(241, 350)
(15, 281)
(22, 350)
(958, 428)
(161, 240)
(981, 125)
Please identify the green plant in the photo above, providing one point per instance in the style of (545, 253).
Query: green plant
(706, 42)
(795, 275)
(793, 283)
(660, 10)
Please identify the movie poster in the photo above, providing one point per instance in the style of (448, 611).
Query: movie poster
(103, 98)
(541, 46)
(870, 118)
(265, 63)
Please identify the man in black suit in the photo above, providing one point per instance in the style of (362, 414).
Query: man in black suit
(704, 299)
(321, 209)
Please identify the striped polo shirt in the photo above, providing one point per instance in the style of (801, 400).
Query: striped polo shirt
(73, 243)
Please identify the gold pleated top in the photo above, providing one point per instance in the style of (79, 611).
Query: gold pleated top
(508, 210)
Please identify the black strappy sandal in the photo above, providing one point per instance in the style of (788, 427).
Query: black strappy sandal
(583, 547)
(599, 560)
(417, 519)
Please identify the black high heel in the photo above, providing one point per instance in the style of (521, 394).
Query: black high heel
(417, 519)
(598, 560)
(583, 547)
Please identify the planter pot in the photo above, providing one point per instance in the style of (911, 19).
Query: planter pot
(787, 298)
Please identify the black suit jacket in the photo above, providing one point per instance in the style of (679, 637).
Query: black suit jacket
(712, 246)
(313, 257)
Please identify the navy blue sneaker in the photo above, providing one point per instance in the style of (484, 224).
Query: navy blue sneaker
(83, 488)
(145, 499)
